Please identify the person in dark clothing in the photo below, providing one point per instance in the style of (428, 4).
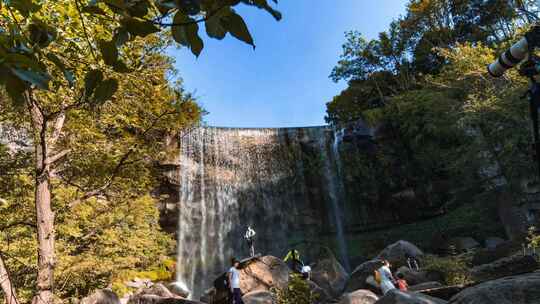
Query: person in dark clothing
(234, 282)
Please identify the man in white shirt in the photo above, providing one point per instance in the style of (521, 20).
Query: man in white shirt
(234, 282)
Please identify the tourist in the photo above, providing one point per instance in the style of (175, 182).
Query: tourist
(293, 257)
(401, 282)
(387, 280)
(306, 272)
(412, 262)
(234, 282)
(250, 238)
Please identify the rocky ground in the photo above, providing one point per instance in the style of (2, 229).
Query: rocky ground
(497, 275)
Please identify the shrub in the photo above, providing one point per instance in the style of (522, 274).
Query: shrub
(297, 291)
(454, 269)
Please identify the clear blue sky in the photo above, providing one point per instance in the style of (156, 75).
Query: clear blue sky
(284, 81)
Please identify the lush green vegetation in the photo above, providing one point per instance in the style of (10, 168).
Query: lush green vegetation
(298, 291)
(446, 130)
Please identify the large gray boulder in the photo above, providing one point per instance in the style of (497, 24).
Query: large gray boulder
(398, 253)
(357, 279)
(329, 275)
(464, 244)
(414, 277)
(402, 297)
(259, 297)
(513, 265)
(102, 296)
(523, 289)
(361, 296)
(425, 286)
(179, 289)
(264, 273)
(320, 294)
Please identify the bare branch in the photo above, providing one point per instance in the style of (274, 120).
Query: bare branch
(52, 159)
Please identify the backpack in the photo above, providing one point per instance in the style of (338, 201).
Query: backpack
(377, 276)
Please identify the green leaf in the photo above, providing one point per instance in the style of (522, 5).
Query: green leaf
(105, 90)
(214, 28)
(39, 79)
(68, 74)
(94, 10)
(186, 32)
(91, 81)
(121, 67)
(15, 88)
(117, 6)
(238, 28)
(121, 36)
(138, 27)
(108, 51)
(40, 33)
(138, 8)
(264, 5)
(25, 7)
(22, 61)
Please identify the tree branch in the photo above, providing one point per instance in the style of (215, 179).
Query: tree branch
(52, 159)
(121, 163)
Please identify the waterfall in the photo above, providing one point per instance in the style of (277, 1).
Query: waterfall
(285, 183)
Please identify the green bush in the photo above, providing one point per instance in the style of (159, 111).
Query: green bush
(297, 291)
(454, 269)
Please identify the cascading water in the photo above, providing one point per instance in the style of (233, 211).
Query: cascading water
(283, 182)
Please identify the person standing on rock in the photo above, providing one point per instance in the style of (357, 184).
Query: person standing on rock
(234, 282)
(250, 238)
(387, 279)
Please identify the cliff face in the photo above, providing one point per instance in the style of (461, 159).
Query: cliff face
(296, 187)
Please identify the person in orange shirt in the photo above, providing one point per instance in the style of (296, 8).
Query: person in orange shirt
(402, 284)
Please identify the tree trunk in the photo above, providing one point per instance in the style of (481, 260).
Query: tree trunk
(44, 214)
(5, 283)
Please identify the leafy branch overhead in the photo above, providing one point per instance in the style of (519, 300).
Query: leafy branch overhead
(26, 34)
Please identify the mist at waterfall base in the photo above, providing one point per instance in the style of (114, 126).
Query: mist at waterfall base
(286, 183)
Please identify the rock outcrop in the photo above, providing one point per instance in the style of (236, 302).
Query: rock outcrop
(398, 253)
(513, 265)
(103, 296)
(259, 297)
(361, 296)
(329, 275)
(523, 289)
(358, 277)
(179, 289)
(464, 244)
(424, 286)
(264, 273)
(401, 297)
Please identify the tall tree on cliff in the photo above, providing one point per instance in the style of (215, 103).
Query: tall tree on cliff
(60, 63)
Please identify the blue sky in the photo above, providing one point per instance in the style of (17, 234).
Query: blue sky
(284, 81)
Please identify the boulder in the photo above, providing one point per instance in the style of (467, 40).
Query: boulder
(264, 273)
(413, 277)
(492, 242)
(464, 244)
(485, 256)
(402, 297)
(425, 286)
(523, 289)
(154, 299)
(321, 294)
(209, 295)
(102, 296)
(398, 252)
(361, 296)
(259, 297)
(513, 265)
(158, 289)
(329, 275)
(357, 279)
(179, 289)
